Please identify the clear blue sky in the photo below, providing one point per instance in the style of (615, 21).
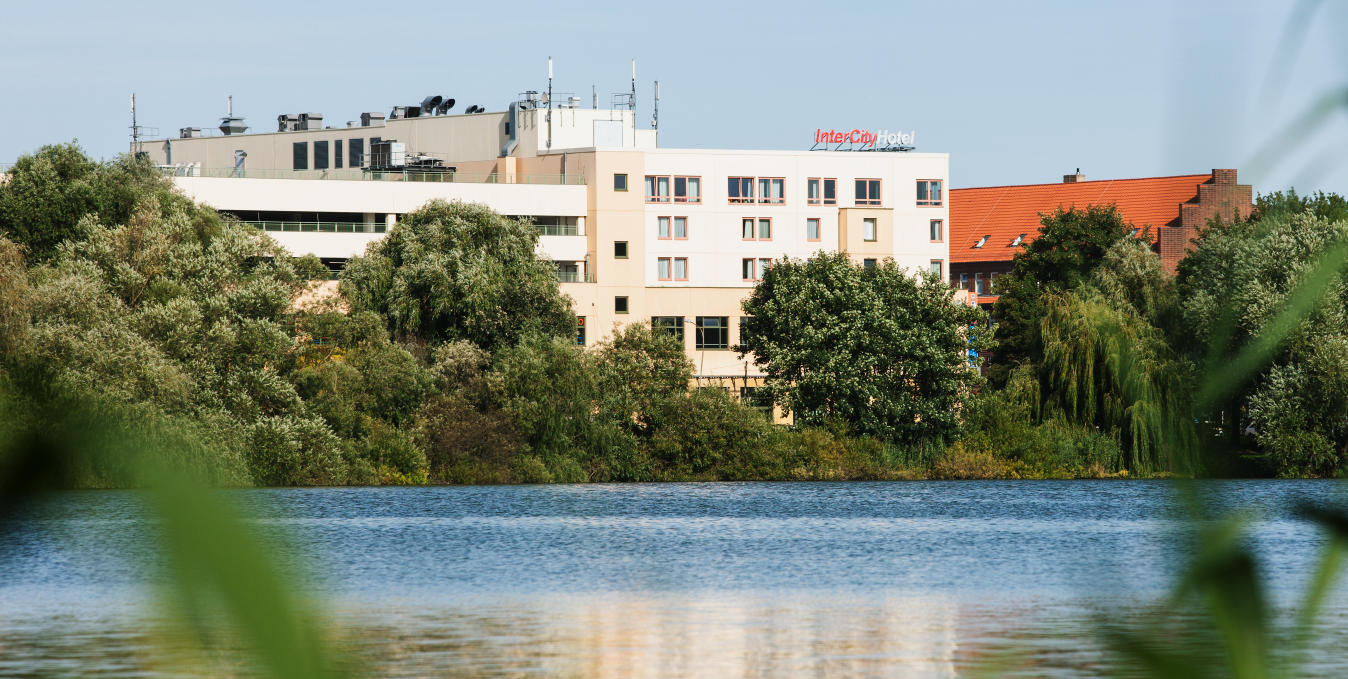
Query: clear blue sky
(1014, 94)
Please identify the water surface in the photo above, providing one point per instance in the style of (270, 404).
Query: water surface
(686, 580)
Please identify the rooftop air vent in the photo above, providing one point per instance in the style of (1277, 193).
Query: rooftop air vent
(982, 241)
(189, 132)
(372, 119)
(311, 121)
(444, 106)
(229, 124)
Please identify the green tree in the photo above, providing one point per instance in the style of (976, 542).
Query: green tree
(45, 195)
(1071, 244)
(452, 271)
(636, 368)
(874, 347)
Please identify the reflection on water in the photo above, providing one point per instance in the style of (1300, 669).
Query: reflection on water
(706, 580)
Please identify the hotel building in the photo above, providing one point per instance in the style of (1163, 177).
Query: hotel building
(674, 237)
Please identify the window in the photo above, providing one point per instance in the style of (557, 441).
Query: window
(713, 332)
(868, 192)
(992, 283)
(620, 249)
(744, 321)
(355, 152)
(868, 230)
(765, 229)
(619, 182)
(300, 151)
(868, 263)
(749, 397)
(978, 284)
(680, 228)
(337, 154)
(748, 230)
(657, 189)
(812, 191)
(741, 189)
(937, 231)
(812, 229)
(662, 231)
(688, 189)
(936, 267)
(580, 331)
(662, 268)
(619, 305)
(320, 155)
(747, 267)
(964, 281)
(929, 192)
(763, 265)
(830, 192)
(680, 268)
(672, 325)
(772, 190)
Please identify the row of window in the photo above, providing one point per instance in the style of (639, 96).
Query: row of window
(324, 160)
(710, 332)
(982, 286)
(753, 269)
(772, 190)
(760, 228)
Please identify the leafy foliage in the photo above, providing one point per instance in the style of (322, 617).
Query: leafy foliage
(873, 347)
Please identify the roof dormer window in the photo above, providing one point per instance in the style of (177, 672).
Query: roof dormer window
(1019, 239)
(982, 241)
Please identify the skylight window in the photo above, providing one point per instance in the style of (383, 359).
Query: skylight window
(1019, 239)
(982, 241)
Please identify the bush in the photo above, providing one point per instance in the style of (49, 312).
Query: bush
(695, 434)
(289, 451)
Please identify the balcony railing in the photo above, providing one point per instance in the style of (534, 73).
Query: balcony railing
(361, 175)
(558, 229)
(574, 277)
(323, 227)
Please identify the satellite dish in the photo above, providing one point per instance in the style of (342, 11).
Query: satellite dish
(429, 103)
(444, 107)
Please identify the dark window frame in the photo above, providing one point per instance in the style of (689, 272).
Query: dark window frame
(719, 334)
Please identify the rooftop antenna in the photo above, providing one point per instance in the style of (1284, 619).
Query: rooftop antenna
(135, 131)
(632, 102)
(549, 102)
(655, 121)
(231, 106)
(595, 94)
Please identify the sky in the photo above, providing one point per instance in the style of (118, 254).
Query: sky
(1015, 95)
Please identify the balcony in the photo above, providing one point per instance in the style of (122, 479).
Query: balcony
(574, 277)
(318, 227)
(364, 175)
(558, 229)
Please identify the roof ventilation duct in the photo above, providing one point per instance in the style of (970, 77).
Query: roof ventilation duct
(229, 124)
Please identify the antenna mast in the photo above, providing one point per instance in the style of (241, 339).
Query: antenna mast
(549, 102)
(135, 131)
(655, 121)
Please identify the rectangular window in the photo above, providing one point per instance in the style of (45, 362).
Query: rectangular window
(688, 189)
(812, 229)
(620, 249)
(765, 229)
(748, 230)
(337, 154)
(619, 305)
(713, 332)
(964, 281)
(355, 152)
(320, 155)
(868, 192)
(978, 284)
(300, 160)
(657, 189)
(929, 192)
(662, 231)
(580, 331)
(744, 320)
(830, 192)
(812, 192)
(936, 267)
(868, 230)
(741, 189)
(662, 268)
(868, 263)
(763, 266)
(680, 268)
(619, 182)
(681, 228)
(747, 267)
(937, 231)
(672, 325)
(772, 191)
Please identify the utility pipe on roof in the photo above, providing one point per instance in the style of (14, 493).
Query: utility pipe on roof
(514, 130)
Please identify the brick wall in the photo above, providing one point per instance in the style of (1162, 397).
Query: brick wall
(1220, 195)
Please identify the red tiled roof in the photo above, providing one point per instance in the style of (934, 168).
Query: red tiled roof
(1005, 212)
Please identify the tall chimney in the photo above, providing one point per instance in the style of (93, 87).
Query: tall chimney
(1074, 178)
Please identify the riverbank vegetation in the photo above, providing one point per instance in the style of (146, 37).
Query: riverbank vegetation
(447, 354)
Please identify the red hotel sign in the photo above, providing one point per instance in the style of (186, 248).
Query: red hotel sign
(864, 137)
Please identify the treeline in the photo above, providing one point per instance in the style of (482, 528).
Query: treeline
(448, 353)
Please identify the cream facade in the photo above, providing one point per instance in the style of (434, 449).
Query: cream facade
(639, 232)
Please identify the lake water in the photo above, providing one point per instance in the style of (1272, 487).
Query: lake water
(660, 580)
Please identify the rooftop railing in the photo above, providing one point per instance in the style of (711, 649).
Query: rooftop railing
(362, 175)
(574, 277)
(558, 229)
(323, 227)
